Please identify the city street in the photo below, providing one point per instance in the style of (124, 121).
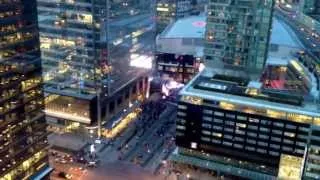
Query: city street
(309, 38)
(138, 151)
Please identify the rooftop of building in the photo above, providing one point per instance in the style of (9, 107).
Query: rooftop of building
(221, 85)
(189, 27)
(194, 27)
(235, 89)
(283, 35)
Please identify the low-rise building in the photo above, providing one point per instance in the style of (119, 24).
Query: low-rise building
(180, 49)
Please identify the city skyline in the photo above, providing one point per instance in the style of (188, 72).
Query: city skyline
(159, 89)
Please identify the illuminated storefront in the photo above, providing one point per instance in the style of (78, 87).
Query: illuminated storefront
(290, 167)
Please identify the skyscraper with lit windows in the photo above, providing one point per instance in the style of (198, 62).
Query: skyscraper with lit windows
(168, 11)
(23, 136)
(90, 52)
(237, 33)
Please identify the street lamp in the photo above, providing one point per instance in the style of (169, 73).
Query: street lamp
(99, 111)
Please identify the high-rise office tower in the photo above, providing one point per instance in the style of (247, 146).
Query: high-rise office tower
(237, 33)
(170, 10)
(23, 136)
(89, 50)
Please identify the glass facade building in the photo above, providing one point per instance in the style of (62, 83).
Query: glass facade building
(92, 47)
(23, 138)
(170, 10)
(237, 33)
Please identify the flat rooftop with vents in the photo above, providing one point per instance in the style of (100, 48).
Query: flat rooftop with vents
(239, 93)
(185, 37)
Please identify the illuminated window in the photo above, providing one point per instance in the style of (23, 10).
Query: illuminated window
(277, 132)
(302, 136)
(182, 121)
(180, 127)
(217, 127)
(217, 113)
(263, 136)
(206, 118)
(251, 141)
(207, 111)
(239, 146)
(228, 137)
(178, 133)
(287, 141)
(276, 114)
(301, 144)
(289, 126)
(205, 125)
(217, 141)
(205, 139)
(260, 143)
(85, 18)
(253, 127)
(217, 134)
(232, 116)
(289, 134)
(274, 153)
(228, 106)
(182, 107)
(228, 130)
(239, 139)
(252, 134)
(250, 148)
(194, 145)
(253, 120)
(278, 124)
(316, 121)
(264, 129)
(241, 125)
(304, 129)
(231, 123)
(205, 132)
(227, 143)
(262, 151)
(244, 118)
(181, 113)
(276, 139)
(217, 120)
(275, 146)
(286, 148)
